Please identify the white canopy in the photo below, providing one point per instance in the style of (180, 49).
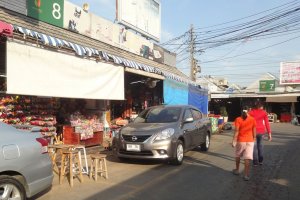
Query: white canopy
(35, 71)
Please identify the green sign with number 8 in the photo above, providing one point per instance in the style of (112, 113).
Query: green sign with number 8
(50, 11)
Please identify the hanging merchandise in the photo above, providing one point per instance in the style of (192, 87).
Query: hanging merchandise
(29, 113)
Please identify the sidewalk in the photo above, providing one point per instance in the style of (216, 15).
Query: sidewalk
(89, 186)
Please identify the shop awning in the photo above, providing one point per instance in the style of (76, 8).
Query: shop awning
(282, 99)
(6, 29)
(143, 73)
(87, 51)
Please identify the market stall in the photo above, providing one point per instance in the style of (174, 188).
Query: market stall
(141, 92)
(27, 112)
(72, 120)
(82, 121)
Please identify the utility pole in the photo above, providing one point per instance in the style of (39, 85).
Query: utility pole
(192, 52)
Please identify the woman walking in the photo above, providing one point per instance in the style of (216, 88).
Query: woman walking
(243, 141)
(262, 123)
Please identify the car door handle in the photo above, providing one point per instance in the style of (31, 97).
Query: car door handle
(186, 130)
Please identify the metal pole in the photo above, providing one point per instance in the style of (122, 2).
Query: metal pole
(192, 49)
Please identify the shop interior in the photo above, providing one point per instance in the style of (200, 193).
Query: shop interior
(75, 121)
(140, 92)
(81, 121)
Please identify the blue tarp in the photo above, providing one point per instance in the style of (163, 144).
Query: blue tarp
(175, 93)
(199, 98)
(178, 93)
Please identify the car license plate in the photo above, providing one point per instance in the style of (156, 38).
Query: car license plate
(133, 147)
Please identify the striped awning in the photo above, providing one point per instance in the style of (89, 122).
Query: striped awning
(89, 52)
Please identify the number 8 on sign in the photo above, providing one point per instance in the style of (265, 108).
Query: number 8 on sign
(56, 11)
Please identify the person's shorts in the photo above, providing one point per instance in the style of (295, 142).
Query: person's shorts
(244, 150)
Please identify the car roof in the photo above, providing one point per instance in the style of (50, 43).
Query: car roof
(174, 106)
(6, 126)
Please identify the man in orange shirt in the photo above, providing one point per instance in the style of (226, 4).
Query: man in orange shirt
(243, 141)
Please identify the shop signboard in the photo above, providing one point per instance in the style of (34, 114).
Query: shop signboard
(80, 21)
(143, 16)
(266, 85)
(76, 19)
(290, 72)
(158, 54)
(131, 42)
(169, 58)
(49, 11)
(102, 29)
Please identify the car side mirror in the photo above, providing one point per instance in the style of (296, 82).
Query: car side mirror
(188, 120)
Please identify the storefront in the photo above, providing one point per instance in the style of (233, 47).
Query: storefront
(88, 88)
(283, 106)
(57, 91)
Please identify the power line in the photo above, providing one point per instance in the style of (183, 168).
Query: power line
(252, 51)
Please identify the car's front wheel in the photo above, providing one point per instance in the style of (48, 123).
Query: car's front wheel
(11, 188)
(178, 154)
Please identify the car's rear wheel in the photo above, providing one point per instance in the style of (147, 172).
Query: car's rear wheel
(11, 188)
(178, 154)
(205, 146)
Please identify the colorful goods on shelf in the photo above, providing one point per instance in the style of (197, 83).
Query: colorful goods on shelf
(86, 125)
(27, 112)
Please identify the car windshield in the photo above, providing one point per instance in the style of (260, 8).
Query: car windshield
(159, 115)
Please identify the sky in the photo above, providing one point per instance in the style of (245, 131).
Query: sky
(177, 17)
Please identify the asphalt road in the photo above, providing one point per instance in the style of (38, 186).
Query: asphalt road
(203, 175)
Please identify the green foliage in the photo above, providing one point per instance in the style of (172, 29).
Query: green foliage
(223, 111)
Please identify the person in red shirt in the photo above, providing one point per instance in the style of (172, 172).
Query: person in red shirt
(243, 141)
(262, 123)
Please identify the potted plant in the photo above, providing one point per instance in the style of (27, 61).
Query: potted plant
(224, 113)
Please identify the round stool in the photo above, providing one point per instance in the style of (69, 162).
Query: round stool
(98, 165)
(70, 160)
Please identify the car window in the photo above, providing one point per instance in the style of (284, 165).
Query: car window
(159, 115)
(141, 117)
(187, 114)
(196, 114)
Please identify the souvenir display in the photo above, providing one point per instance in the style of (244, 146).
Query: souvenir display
(27, 112)
(86, 125)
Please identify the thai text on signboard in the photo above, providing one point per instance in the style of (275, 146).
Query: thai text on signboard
(290, 72)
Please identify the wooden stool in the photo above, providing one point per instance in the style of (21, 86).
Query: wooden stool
(74, 168)
(55, 151)
(95, 169)
(52, 154)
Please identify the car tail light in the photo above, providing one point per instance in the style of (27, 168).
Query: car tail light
(44, 144)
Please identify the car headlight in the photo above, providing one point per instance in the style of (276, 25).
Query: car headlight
(165, 134)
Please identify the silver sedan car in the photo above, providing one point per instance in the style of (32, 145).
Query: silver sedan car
(163, 132)
(25, 166)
